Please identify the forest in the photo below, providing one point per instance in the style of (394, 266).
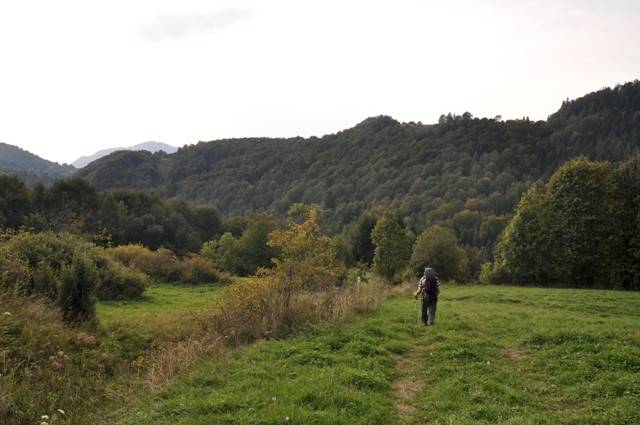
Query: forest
(465, 173)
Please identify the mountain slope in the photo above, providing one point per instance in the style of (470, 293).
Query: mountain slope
(464, 171)
(83, 161)
(29, 167)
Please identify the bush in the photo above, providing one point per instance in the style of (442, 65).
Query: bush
(301, 288)
(161, 265)
(118, 282)
(66, 269)
(14, 271)
(195, 269)
(125, 254)
(78, 282)
(62, 267)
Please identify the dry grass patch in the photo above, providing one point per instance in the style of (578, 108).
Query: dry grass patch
(407, 386)
(513, 352)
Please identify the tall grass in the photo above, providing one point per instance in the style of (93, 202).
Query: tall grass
(263, 308)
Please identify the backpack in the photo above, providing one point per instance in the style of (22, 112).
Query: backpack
(431, 289)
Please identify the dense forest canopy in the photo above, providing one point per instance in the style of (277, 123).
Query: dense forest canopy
(467, 173)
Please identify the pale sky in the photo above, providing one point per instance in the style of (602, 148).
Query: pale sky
(80, 76)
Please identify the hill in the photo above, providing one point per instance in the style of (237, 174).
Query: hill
(29, 167)
(83, 161)
(466, 172)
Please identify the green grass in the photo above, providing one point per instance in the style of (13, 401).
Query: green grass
(166, 311)
(498, 355)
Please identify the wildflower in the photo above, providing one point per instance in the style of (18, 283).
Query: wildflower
(488, 362)
(273, 398)
(61, 411)
(6, 313)
(44, 423)
(287, 419)
(44, 417)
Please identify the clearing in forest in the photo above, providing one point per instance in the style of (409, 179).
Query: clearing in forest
(505, 355)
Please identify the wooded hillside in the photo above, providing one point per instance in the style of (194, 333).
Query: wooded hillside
(465, 172)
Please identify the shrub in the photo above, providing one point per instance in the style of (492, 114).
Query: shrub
(301, 288)
(66, 269)
(14, 271)
(161, 265)
(195, 269)
(118, 282)
(125, 254)
(78, 282)
(61, 267)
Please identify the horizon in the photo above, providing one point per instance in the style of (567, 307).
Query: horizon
(502, 118)
(84, 78)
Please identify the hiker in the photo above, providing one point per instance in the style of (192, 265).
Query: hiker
(428, 288)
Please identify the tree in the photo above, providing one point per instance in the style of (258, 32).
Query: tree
(15, 203)
(362, 247)
(224, 253)
(583, 198)
(437, 247)
(571, 231)
(530, 247)
(628, 176)
(308, 259)
(252, 247)
(393, 246)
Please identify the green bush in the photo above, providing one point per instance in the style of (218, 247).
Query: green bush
(14, 271)
(125, 254)
(118, 282)
(78, 282)
(196, 269)
(161, 265)
(62, 268)
(66, 269)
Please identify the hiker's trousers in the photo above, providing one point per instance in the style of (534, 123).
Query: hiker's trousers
(429, 312)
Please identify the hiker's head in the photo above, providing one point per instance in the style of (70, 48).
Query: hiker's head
(428, 270)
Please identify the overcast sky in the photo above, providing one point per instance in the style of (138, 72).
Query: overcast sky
(79, 76)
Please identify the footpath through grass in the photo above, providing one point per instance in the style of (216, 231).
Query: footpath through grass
(502, 355)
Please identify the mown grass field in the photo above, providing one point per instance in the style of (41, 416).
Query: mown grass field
(504, 355)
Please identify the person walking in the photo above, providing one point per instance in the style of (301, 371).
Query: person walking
(429, 290)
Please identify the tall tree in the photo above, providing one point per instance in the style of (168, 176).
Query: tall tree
(437, 247)
(393, 246)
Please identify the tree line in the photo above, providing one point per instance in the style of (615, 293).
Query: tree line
(465, 173)
(581, 228)
(114, 217)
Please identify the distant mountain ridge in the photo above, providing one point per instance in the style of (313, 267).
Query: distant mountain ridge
(152, 147)
(30, 167)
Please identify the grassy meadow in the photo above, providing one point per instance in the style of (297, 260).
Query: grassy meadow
(506, 355)
(166, 311)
